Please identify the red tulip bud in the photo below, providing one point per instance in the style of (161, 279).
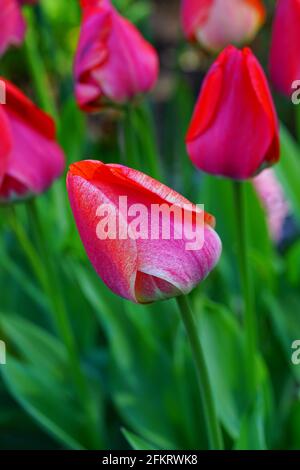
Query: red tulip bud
(139, 256)
(234, 130)
(284, 56)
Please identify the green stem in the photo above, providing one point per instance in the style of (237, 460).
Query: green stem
(52, 284)
(211, 421)
(246, 282)
(37, 69)
(147, 132)
(131, 151)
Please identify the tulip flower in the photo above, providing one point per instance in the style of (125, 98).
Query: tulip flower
(284, 55)
(30, 158)
(274, 201)
(217, 23)
(113, 63)
(12, 23)
(142, 269)
(234, 129)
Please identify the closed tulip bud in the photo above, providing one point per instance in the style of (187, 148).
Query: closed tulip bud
(113, 63)
(30, 158)
(217, 23)
(12, 24)
(234, 129)
(284, 56)
(149, 265)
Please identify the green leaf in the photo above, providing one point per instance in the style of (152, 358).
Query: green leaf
(288, 169)
(223, 343)
(252, 435)
(136, 442)
(39, 379)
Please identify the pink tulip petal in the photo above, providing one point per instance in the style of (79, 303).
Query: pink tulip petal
(115, 261)
(217, 23)
(5, 143)
(284, 55)
(12, 25)
(170, 261)
(34, 159)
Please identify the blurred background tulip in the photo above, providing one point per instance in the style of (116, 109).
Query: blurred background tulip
(12, 23)
(113, 63)
(142, 270)
(30, 158)
(234, 130)
(274, 201)
(284, 55)
(216, 24)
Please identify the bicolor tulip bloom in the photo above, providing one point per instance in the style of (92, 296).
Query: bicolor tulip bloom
(234, 129)
(142, 269)
(217, 23)
(284, 56)
(12, 23)
(30, 158)
(113, 63)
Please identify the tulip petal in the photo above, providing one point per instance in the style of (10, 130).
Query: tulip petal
(115, 261)
(12, 25)
(260, 86)
(217, 23)
(5, 143)
(170, 261)
(137, 180)
(35, 159)
(208, 99)
(284, 55)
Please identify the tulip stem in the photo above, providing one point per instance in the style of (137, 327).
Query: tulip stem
(246, 282)
(212, 425)
(147, 132)
(37, 69)
(130, 147)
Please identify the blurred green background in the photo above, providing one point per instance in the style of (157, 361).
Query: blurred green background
(141, 389)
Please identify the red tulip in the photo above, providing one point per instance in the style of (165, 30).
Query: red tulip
(234, 130)
(217, 23)
(113, 62)
(285, 57)
(144, 268)
(30, 158)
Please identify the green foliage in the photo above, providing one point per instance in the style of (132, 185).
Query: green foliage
(136, 362)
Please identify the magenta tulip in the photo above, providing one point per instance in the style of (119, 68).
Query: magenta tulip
(142, 269)
(284, 56)
(274, 201)
(30, 158)
(113, 63)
